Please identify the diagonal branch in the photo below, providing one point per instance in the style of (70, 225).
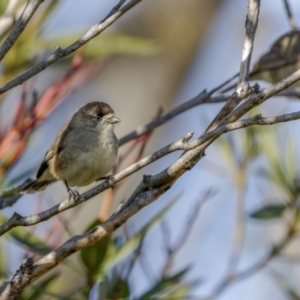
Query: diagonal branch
(173, 171)
(59, 53)
(290, 15)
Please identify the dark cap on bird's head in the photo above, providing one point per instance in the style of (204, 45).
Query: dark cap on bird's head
(97, 108)
(92, 113)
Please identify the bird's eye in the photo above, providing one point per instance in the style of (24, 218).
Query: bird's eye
(97, 118)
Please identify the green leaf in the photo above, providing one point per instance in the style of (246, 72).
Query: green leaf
(105, 45)
(269, 212)
(38, 290)
(26, 238)
(118, 288)
(93, 256)
(114, 257)
(163, 286)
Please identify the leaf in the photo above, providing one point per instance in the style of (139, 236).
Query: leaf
(93, 256)
(105, 45)
(269, 212)
(114, 257)
(38, 291)
(163, 285)
(118, 288)
(26, 238)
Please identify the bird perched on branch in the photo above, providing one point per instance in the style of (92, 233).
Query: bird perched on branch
(281, 60)
(84, 150)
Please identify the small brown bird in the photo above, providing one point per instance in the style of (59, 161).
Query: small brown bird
(281, 60)
(84, 150)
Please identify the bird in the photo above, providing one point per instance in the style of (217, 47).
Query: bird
(84, 150)
(281, 60)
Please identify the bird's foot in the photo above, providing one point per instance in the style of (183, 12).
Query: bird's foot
(73, 194)
(110, 180)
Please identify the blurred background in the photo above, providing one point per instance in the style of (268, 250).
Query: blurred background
(214, 233)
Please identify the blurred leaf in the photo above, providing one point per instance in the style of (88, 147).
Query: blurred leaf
(228, 151)
(26, 238)
(105, 45)
(118, 288)
(282, 171)
(3, 273)
(116, 255)
(251, 143)
(180, 291)
(43, 17)
(38, 290)
(163, 285)
(93, 256)
(269, 212)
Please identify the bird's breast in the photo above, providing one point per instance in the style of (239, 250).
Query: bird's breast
(83, 161)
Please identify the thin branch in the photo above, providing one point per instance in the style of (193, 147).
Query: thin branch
(251, 25)
(17, 220)
(290, 15)
(30, 9)
(258, 98)
(59, 53)
(234, 277)
(172, 251)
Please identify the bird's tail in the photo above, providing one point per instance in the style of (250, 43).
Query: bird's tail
(36, 186)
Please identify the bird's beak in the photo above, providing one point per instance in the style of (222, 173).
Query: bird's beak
(113, 120)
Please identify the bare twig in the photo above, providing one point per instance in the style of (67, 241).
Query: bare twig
(243, 89)
(30, 8)
(290, 15)
(234, 277)
(251, 25)
(94, 31)
(173, 250)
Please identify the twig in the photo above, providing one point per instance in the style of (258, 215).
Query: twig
(59, 53)
(290, 15)
(251, 25)
(172, 251)
(234, 277)
(243, 89)
(30, 8)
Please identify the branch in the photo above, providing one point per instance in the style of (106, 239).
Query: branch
(275, 251)
(30, 8)
(17, 220)
(258, 98)
(59, 53)
(290, 15)
(251, 25)
(151, 188)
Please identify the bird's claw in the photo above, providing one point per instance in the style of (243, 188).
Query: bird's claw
(110, 180)
(73, 194)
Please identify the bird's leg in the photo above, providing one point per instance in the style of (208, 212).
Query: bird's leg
(72, 194)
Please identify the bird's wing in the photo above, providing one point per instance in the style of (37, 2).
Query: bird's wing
(56, 148)
(44, 165)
